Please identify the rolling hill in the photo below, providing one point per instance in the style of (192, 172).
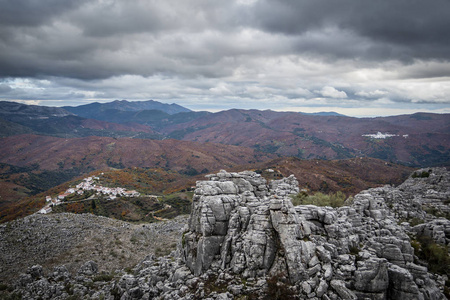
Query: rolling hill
(349, 176)
(93, 153)
(416, 140)
(16, 118)
(34, 163)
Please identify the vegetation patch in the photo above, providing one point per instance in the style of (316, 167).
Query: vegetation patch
(423, 174)
(278, 287)
(415, 221)
(431, 210)
(132, 209)
(271, 147)
(103, 277)
(319, 199)
(214, 285)
(435, 255)
(34, 179)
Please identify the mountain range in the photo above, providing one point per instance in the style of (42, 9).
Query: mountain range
(416, 140)
(42, 147)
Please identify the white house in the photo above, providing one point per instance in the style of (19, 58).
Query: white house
(62, 196)
(46, 210)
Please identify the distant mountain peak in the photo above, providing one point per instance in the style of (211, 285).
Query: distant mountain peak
(324, 113)
(8, 109)
(125, 105)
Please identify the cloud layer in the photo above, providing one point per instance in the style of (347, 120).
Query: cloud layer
(348, 55)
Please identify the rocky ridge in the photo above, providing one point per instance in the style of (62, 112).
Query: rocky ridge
(245, 240)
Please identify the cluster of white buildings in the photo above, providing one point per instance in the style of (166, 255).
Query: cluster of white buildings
(380, 135)
(49, 203)
(88, 184)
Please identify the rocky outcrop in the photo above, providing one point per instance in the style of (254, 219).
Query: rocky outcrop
(240, 226)
(424, 195)
(245, 239)
(237, 218)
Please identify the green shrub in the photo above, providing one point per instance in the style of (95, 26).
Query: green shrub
(434, 254)
(320, 199)
(354, 250)
(279, 288)
(423, 174)
(447, 289)
(431, 210)
(103, 277)
(13, 296)
(415, 221)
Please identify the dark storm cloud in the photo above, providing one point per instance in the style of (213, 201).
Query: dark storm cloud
(100, 39)
(278, 53)
(113, 18)
(399, 29)
(32, 12)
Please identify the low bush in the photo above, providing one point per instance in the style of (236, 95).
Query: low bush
(434, 254)
(423, 174)
(103, 277)
(278, 287)
(320, 199)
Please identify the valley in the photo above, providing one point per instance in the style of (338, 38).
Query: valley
(44, 148)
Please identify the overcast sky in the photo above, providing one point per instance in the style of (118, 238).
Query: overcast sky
(359, 58)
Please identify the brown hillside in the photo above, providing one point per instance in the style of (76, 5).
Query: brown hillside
(421, 139)
(95, 153)
(48, 159)
(133, 127)
(347, 175)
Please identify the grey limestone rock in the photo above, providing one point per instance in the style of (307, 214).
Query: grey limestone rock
(245, 228)
(245, 238)
(89, 268)
(357, 251)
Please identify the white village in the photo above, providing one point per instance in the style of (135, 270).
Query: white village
(380, 135)
(88, 184)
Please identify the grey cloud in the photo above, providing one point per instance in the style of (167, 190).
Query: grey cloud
(429, 69)
(100, 39)
(32, 12)
(396, 29)
(114, 18)
(5, 88)
(123, 17)
(185, 50)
